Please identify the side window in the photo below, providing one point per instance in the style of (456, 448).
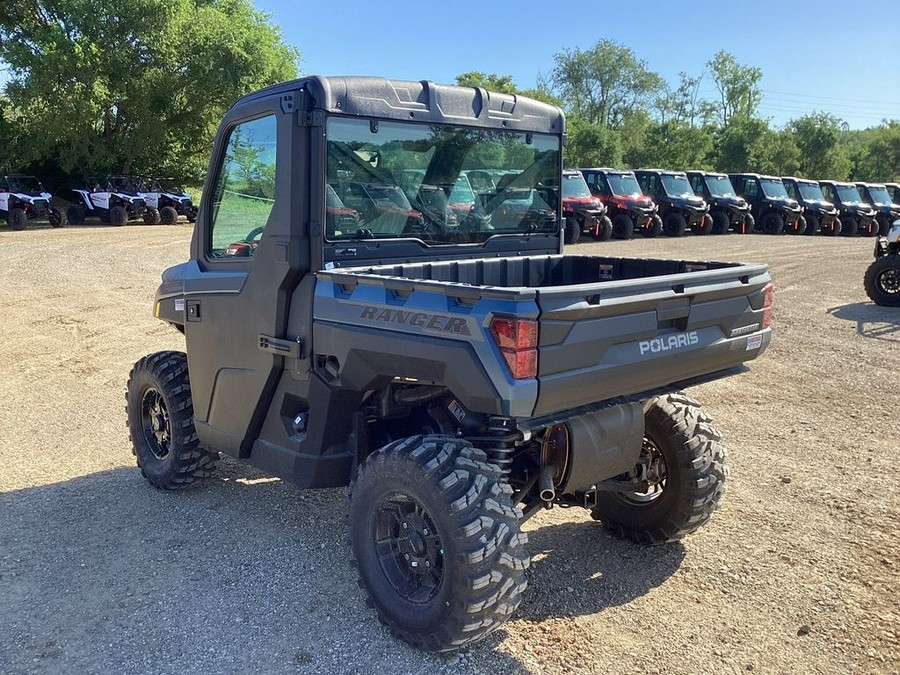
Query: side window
(828, 192)
(751, 188)
(695, 185)
(602, 186)
(791, 190)
(244, 191)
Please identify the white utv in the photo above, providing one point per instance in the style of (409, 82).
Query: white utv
(169, 199)
(23, 198)
(113, 199)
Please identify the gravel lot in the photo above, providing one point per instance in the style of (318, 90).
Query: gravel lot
(797, 573)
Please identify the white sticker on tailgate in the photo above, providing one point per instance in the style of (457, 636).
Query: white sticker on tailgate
(754, 342)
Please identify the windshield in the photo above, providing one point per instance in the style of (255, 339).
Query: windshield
(677, 186)
(170, 186)
(879, 194)
(811, 192)
(848, 194)
(437, 165)
(124, 184)
(25, 184)
(773, 188)
(573, 185)
(720, 186)
(624, 184)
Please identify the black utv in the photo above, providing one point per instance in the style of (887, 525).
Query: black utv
(678, 206)
(727, 210)
(775, 212)
(856, 216)
(887, 209)
(894, 191)
(459, 375)
(882, 278)
(820, 214)
(629, 209)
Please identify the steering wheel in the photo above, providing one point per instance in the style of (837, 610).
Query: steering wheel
(253, 234)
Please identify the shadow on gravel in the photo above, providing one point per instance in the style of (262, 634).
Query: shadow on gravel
(872, 321)
(243, 573)
(578, 569)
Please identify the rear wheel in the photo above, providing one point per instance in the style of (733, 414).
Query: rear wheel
(772, 223)
(703, 226)
(848, 226)
(75, 215)
(721, 221)
(882, 281)
(572, 228)
(674, 225)
(151, 216)
(57, 217)
(622, 227)
(812, 224)
(160, 414)
(169, 216)
(436, 541)
(17, 219)
(683, 464)
(118, 216)
(602, 229)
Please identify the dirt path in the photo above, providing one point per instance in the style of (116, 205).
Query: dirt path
(797, 573)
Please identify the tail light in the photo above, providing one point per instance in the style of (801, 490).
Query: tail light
(518, 341)
(768, 301)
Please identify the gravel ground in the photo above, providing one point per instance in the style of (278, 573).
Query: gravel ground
(797, 573)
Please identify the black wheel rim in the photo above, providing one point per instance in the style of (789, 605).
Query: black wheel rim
(155, 423)
(889, 281)
(651, 468)
(408, 548)
(54, 218)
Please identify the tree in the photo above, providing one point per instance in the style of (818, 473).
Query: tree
(739, 93)
(818, 136)
(491, 81)
(603, 84)
(880, 154)
(591, 144)
(684, 104)
(140, 87)
(675, 145)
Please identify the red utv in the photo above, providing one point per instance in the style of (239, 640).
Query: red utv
(582, 210)
(629, 209)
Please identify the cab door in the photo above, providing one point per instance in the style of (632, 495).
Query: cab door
(239, 282)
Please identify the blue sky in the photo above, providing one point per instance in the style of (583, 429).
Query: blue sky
(840, 57)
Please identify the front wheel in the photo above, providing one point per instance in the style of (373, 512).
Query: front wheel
(884, 225)
(653, 228)
(168, 215)
(151, 216)
(748, 226)
(602, 228)
(772, 223)
(75, 215)
(436, 541)
(17, 219)
(812, 224)
(683, 465)
(118, 216)
(572, 229)
(869, 228)
(622, 227)
(882, 281)
(160, 416)
(848, 226)
(703, 226)
(721, 221)
(674, 225)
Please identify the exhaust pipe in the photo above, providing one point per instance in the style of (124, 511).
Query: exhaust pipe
(547, 491)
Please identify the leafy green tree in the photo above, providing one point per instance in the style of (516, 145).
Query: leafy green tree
(777, 154)
(875, 152)
(740, 145)
(591, 144)
(491, 81)
(818, 137)
(675, 145)
(739, 92)
(684, 103)
(139, 85)
(604, 83)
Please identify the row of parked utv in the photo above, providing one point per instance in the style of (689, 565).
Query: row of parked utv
(618, 203)
(114, 200)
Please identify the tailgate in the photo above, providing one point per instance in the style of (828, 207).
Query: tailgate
(613, 338)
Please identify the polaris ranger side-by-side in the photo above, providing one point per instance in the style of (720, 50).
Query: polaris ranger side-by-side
(459, 374)
(582, 210)
(820, 214)
(629, 209)
(726, 209)
(770, 205)
(24, 198)
(855, 215)
(678, 206)
(887, 210)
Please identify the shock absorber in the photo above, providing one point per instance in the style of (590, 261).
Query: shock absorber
(500, 442)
